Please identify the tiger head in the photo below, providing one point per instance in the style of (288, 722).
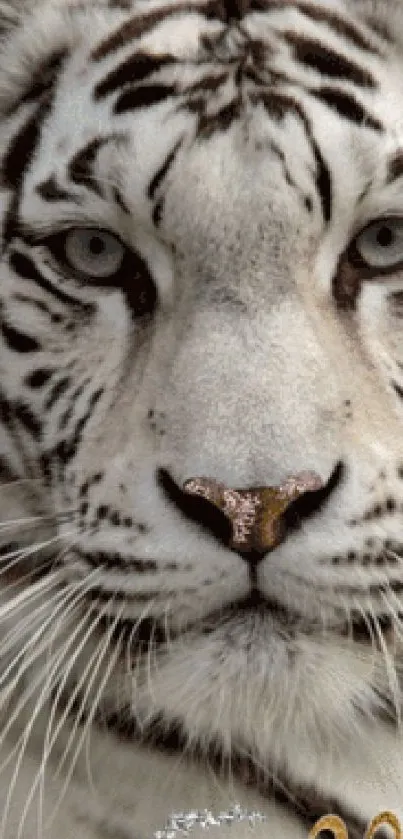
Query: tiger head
(197, 209)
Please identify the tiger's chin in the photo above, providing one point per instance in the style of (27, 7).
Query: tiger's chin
(246, 681)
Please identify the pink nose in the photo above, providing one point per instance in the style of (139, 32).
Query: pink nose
(255, 514)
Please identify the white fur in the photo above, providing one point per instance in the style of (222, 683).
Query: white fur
(249, 389)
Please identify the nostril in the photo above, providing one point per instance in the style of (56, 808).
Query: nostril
(196, 509)
(312, 502)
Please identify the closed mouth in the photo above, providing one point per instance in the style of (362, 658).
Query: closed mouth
(362, 628)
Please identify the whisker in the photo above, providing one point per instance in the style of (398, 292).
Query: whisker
(38, 546)
(16, 634)
(133, 674)
(28, 521)
(38, 707)
(22, 553)
(391, 673)
(50, 671)
(38, 588)
(111, 664)
(49, 740)
(97, 656)
(368, 623)
(75, 693)
(387, 597)
(15, 482)
(66, 601)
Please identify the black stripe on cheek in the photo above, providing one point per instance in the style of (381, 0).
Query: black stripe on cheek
(6, 415)
(66, 450)
(116, 561)
(326, 61)
(57, 391)
(38, 378)
(347, 106)
(105, 595)
(67, 415)
(26, 269)
(7, 473)
(11, 219)
(27, 418)
(18, 341)
(136, 68)
(143, 97)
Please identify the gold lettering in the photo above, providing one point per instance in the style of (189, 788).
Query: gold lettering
(332, 823)
(384, 818)
(339, 829)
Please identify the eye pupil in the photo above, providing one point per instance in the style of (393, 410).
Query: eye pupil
(96, 245)
(384, 237)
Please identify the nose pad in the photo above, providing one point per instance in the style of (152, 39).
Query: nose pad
(251, 521)
(256, 514)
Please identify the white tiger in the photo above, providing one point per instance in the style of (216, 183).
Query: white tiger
(198, 198)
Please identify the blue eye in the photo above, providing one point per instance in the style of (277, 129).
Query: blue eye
(92, 256)
(93, 253)
(380, 245)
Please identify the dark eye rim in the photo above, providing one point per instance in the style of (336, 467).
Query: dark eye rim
(355, 258)
(133, 278)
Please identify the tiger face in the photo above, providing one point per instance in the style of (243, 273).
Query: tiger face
(202, 276)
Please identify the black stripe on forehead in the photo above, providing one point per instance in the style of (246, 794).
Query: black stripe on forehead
(395, 167)
(338, 24)
(138, 26)
(22, 147)
(347, 106)
(15, 163)
(162, 171)
(136, 68)
(277, 106)
(143, 96)
(50, 190)
(327, 61)
(81, 167)
(230, 10)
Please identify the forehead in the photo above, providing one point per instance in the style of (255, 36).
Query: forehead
(244, 102)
